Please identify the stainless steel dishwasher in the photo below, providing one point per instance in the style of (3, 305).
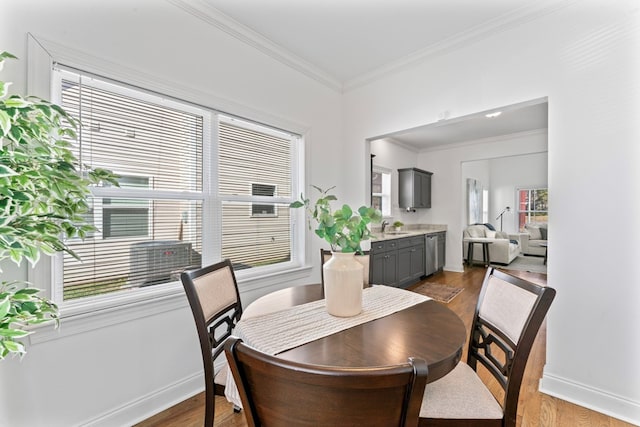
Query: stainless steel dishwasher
(431, 254)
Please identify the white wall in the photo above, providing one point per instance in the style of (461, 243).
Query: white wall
(134, 367)
(584, 58)
(392, 156)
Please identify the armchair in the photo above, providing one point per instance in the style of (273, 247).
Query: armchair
(501, 251)
(531, 239)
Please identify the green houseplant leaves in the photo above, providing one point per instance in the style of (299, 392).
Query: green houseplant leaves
(43, 194)
(343, 228)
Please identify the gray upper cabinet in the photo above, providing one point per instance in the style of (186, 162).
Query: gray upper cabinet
(414, 188)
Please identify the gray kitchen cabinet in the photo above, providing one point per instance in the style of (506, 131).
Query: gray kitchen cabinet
(385, 268)
(411, 260)
(414, 188)
(384, 263)
(397, 262)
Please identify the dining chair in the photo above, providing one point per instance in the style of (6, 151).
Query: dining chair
(213, 295)
(279, 392)
(363, 258)
(507, 319)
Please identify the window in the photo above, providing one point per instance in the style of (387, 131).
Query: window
(532, 206)
(485, 206)
(381, 191)
(254, 161)
(151, 227)
(126, 217)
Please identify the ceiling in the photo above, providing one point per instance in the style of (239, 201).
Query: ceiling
(344, 43)
(526, 116)
(347, 39)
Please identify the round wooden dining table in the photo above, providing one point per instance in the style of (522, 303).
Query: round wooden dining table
(428, 330)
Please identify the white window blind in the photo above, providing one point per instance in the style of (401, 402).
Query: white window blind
(254, 161)
(149, 228)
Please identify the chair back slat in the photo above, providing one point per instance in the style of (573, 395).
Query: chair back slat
(277, 392)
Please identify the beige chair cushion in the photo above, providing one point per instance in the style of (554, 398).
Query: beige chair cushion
(460, 394)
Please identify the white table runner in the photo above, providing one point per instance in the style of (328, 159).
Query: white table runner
(276, 332)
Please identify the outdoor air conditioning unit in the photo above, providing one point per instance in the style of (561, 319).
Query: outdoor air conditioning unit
(158, 261)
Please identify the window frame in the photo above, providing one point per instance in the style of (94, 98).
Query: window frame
(99, 205)
(527, 212)
(298, 252)
(41, 77)
(385, 196)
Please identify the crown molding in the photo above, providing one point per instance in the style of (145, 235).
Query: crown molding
(219, 20)
(504, 22)
(212, 16)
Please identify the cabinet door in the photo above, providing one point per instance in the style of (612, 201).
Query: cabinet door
(424, 190)
(404, 265)
(377, 269)
(384, 268)
(417, 261)
(390, 271)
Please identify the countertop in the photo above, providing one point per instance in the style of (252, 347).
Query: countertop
(408, 231)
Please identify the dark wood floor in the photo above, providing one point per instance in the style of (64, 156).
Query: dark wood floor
(535, 410)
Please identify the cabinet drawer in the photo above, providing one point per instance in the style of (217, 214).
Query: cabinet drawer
(384, 246)
(407, 242)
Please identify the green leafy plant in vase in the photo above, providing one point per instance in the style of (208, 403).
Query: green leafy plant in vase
(398, 225)
(344, 229)
(43, 194)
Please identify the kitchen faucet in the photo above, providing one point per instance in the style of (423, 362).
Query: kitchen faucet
(384, 225)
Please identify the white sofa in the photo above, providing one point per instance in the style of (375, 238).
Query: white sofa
(501, 250)
(531, 238)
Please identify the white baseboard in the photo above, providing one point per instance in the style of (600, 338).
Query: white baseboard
(150, 404)
(591, 398)
(454, 268)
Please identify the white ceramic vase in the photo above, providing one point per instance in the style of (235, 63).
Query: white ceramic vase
(343, 278)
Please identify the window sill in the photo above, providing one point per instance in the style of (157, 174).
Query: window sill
(80, 317)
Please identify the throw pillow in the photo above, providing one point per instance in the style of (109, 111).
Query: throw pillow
(534, 232)
(543, 232)
(491, 234)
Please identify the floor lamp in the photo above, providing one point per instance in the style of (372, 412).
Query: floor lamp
(499, 217)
